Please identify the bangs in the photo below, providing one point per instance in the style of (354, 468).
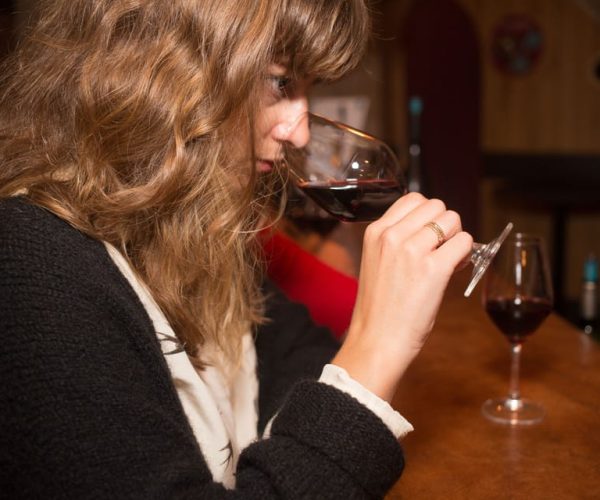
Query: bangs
(323, 39)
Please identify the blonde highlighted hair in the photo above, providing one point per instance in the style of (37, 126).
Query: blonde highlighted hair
(121, 117)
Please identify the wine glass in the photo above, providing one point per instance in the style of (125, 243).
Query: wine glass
(517, 296)
(355, 177)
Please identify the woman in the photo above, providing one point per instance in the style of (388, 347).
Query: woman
(140, 140)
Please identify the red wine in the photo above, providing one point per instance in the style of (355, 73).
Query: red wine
(354, 201)
(518, 318)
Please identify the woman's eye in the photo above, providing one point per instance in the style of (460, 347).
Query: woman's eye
(281, 84)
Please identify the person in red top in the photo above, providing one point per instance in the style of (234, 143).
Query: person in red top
(328, 293)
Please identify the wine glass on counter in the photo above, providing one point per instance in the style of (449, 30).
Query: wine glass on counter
(517, 296)
(355, 177)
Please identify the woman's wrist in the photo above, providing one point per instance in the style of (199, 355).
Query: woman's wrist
(378, 368)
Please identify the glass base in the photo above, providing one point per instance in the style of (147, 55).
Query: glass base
(513, 411)
(482, 256)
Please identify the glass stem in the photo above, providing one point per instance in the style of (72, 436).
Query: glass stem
(477, 247)
(476, 252)
(513, 391)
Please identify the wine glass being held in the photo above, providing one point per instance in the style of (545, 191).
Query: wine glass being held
(406, 265)
(356, 177)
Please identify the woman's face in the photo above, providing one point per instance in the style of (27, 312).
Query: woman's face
(283, 117)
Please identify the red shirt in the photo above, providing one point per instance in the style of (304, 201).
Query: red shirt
(328, 294)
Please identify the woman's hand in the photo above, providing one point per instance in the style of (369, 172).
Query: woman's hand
(404, 273)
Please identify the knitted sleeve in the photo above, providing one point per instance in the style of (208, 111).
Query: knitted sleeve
(289, 347)
(88, 409)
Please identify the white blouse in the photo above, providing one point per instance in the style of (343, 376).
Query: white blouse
(221, 403)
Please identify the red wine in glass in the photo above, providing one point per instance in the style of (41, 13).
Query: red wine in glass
(354, 201)
(519, 317)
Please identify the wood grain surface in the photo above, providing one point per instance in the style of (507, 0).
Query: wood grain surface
(455, 453)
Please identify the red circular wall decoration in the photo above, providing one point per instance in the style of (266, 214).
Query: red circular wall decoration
(516, 44)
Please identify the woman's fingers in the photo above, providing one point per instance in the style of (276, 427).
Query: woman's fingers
(424, 226)
(456, 251)
(405, 218)
(437, 231)
(399, 210)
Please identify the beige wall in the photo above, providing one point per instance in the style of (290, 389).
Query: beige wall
(364, 81)
(556, 108)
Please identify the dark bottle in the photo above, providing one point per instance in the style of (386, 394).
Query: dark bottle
(416, 175)
(588, 310)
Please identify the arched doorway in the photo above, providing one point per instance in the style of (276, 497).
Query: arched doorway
(443, 69)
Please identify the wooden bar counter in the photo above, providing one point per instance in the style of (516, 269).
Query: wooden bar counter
(455, 453)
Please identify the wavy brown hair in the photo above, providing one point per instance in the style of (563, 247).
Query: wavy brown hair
(121, 117)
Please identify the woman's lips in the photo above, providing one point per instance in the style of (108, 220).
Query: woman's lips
(264, 165)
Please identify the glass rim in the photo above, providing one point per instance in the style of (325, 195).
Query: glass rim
(521, 240)
(522, 237)
(341, 125)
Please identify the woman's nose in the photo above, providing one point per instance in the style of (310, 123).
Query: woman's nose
(294, 125)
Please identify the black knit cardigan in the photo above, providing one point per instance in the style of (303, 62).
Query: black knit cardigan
(87, 404)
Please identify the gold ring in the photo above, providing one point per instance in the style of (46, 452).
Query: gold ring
(439, 232)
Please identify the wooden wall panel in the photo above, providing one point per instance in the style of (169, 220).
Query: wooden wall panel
(555, 108)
